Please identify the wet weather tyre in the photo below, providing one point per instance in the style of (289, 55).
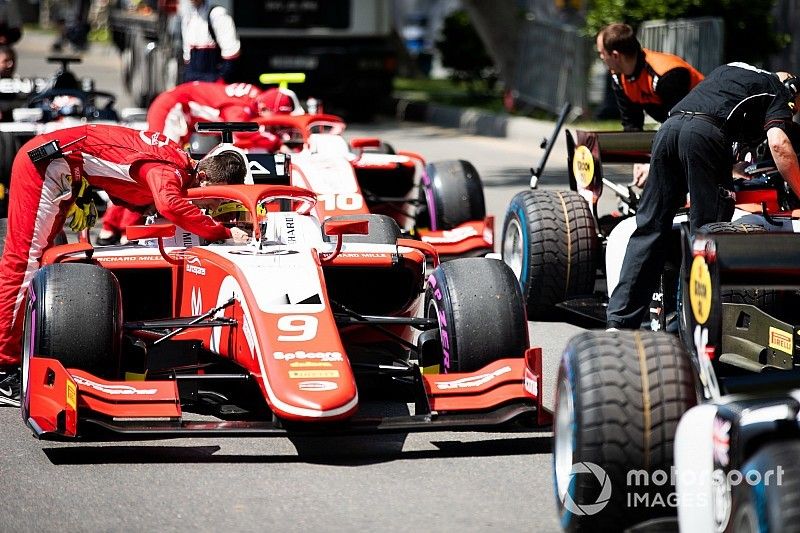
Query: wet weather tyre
(619, 398)
(768, 300)
(770, 504)
(383, 229)
(451, 193)
(480, 311)
(550, 242)
(75, 312)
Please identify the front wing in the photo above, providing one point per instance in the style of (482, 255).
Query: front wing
(60, 402)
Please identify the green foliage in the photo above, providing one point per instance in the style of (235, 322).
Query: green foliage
(748, 23)
(463, 51)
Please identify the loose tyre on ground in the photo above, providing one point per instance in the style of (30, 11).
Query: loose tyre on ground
(549, 241)
(481, 314)
(618, 402)
(451, 193)
(771, 504)
(74, 314)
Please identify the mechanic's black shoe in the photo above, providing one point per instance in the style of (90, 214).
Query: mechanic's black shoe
(107, 241)
(10, 387)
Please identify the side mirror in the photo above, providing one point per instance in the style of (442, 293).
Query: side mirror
(339, 228)
(153, 231)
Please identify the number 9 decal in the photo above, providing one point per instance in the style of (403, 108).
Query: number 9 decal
(302, 327)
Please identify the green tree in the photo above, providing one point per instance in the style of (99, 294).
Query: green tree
(464, 53)
(749, 34)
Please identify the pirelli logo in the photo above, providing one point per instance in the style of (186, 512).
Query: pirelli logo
(780, 340)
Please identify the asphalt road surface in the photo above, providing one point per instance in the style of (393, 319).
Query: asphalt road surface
(417, 482)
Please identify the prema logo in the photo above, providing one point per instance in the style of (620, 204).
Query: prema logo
(589, 509)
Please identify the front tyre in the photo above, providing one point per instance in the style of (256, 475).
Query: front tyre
(451, 193)
(481, 316)
(619, 398)
(74, 315)
(772, 502)
(550, 242)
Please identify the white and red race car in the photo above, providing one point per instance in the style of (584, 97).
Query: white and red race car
(441, 202)
(289, 334)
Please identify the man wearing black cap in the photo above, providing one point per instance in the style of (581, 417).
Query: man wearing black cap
(692, 152)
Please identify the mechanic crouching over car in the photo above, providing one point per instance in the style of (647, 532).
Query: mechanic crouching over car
(49, 177)
(692, 152)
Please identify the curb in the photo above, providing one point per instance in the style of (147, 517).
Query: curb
(473, 121)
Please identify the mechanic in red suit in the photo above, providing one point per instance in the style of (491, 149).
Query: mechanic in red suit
(137, 168)
(175, 113)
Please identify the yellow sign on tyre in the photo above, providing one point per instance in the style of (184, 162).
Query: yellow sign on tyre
(583, 166)
(700, 290)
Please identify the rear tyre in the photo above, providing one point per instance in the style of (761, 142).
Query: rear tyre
(74, 315)
(769, 505)
(481, 314)
(619, 398)
(451, 193)
(768, 300)
(382, 229)
(550, 243)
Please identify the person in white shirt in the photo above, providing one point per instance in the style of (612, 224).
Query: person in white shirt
(210, 42)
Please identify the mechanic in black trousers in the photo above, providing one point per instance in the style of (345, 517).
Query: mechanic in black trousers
(692, 152)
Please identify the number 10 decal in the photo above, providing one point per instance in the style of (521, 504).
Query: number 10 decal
(342, 202)
(301, 327)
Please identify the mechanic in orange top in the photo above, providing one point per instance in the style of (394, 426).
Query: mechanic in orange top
(643, 80)
(137, 168)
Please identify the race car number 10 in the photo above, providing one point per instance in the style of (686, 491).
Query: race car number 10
(342, 202)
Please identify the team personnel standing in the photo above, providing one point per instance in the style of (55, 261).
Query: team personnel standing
(692, 152)
(134, 167)
(643, 80)
(210, 43)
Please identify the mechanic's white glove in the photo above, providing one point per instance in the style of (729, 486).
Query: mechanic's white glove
(640, 172)
(239, 236)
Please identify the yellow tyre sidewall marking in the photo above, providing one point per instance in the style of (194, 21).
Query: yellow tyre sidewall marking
(583, 166)
(700, 290)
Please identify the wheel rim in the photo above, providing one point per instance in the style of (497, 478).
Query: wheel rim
(512, 247)
(564, 437)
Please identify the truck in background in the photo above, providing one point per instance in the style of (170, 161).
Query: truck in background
(346, 48)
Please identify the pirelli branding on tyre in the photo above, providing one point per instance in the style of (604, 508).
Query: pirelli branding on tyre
(700, 290)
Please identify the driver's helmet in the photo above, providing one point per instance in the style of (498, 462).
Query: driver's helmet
(236, 213)
(66, 105)
(278, 102)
